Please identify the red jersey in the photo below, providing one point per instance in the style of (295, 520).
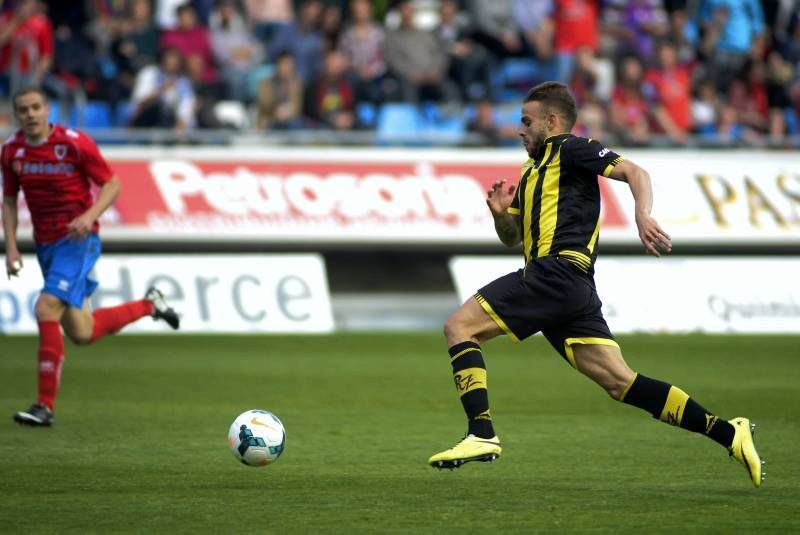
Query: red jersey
(634, 107)
(55, 177)
(673, 90)
(37, 30)
(576, 25)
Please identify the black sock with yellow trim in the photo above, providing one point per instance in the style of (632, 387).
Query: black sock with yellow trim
(469, 375)
(672, 405)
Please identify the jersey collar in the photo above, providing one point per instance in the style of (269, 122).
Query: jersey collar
(551, 139)
(42, 141)
(557, 137)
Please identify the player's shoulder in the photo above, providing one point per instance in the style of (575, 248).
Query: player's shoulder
(586, 145)
(580, 141)
(13, 144)
(63, 134)
(16, 137)
(80, 141)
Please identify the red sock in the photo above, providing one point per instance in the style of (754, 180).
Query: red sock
(51, 355)
(110, 320)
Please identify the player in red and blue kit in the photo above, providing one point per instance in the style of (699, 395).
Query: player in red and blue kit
(55, 168)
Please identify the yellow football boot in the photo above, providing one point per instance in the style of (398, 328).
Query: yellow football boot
(743, 449)
(471, 448)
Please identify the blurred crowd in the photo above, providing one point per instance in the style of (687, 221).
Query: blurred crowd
(724, 70)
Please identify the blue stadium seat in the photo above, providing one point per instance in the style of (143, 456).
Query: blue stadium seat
(506, 115)
(55, 112)
(514, 76)
(792, 122)
(439, 126)
(96, 114)
(367, 114)
(398, 123)
(123, 113)
(449, 130)
(519, 71)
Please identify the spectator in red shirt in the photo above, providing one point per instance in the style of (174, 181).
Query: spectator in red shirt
(191, 39)
(669, 88)
(26, 45)
(629, 108)
(55, 168)
(575, 23)
(760, 100)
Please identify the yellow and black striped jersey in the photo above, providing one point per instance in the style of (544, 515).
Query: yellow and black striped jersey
(558, 199)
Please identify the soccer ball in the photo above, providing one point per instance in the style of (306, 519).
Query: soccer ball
(257, 438)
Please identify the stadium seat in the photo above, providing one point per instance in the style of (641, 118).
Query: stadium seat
(792, 122)
(440, 125)
(96, 114)
(122, 113)
(398, 122)
(367, 114)
(519, 71)
(507, 115)
(448, 130)
(55, 112)
(515, 76)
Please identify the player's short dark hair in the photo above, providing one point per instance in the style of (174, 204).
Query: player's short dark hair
(26, 91)
(555, 97)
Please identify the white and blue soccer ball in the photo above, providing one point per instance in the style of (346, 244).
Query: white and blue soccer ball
(257, 438)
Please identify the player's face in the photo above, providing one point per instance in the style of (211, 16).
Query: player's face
(533, 128)
(31, 111)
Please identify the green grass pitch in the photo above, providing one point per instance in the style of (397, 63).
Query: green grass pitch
(139, 443)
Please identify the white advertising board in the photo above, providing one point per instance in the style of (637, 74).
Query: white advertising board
(276, 293)
(426, 196)
(709, 294)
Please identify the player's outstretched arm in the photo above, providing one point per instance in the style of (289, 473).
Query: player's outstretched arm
(10, 219)
(81, 226)
(499, 199)
(652, 235)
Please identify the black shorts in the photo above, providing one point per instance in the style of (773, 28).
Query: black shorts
(550, 295)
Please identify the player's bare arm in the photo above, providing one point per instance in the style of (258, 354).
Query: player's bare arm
(81, 226)
(652, 235)
(499, 198)
(13, 258)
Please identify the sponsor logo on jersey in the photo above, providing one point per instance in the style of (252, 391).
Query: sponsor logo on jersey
(20, 152)
(47, 168)
(603, 152)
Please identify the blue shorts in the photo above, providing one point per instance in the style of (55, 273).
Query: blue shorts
(66, 265)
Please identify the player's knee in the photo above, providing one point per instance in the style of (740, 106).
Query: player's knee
(48, 308)
(454, 329)
(80, 338)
